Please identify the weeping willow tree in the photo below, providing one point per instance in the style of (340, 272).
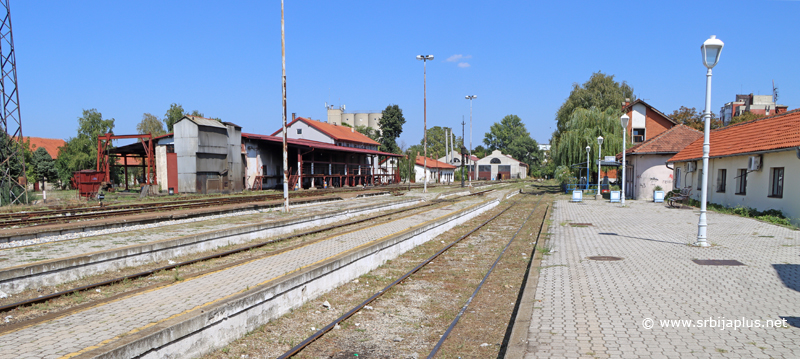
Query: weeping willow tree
(582, 129)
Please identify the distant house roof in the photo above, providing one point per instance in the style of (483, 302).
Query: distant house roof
(50, 144)
(316, 144)
(630, 105)
(200, 121)
(431, 163)
(668, 142)
(761, 135)
(338, 133)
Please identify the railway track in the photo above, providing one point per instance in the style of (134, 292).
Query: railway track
(335, 324)
(74, 214)
(393, 215)
(37, 218)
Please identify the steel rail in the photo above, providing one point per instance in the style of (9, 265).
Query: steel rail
(146, 273)
(299, 347)
(480, 285)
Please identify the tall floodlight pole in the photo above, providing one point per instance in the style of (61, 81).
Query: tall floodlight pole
(599, 165)
(285, 152)
(588, 148)
(470, 98)
(425, 59)
(710, 50)
(624, 122)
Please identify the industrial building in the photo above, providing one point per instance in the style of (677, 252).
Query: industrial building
(337, 116)
(209, 156)
(498, 166)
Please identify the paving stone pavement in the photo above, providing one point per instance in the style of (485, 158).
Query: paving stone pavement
(113, 320)
(80, 246)
(600, 309)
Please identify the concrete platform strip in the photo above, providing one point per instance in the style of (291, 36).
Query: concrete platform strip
(52, 272)
(192, 317)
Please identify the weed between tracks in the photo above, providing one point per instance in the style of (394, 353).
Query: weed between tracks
(408, 320)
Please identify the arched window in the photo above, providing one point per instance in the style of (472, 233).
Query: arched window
(495, 160)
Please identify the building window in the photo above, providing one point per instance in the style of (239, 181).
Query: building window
(637, 135)
(721, 174)
(495, 160)
(299, 131)
(677, 177)
(741, 181)
(776, 182)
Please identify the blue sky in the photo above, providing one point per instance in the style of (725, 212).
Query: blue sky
(518, 57)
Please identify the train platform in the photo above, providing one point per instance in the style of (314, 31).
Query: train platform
(625, 282)
(219, 305)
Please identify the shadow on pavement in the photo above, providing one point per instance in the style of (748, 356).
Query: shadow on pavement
(793, 321)
(789, 275)
(644, 239)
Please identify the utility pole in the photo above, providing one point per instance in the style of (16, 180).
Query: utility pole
(462, 152)
(285, 152)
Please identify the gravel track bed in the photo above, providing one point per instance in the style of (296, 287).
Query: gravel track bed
(408, 320)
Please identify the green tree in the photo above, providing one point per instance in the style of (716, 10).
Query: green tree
(690, 117)
(44, 167)
(512, 138)
(436, 143)
(11, 164)
(368, 131)
(173, 115)
(80, 152)
(150, 124)
(582, 129)
(600, 92)
(744, 117)
(391, 126)
(479, 151)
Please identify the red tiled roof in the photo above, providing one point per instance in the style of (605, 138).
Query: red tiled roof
(50, 144)
(763, 134)
(670, 141)
(433, 163)
(630, 105)
(316, 144)
(339, 133)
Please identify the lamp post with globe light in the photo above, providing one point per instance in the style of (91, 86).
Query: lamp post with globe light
(624, 122)
(588, 148)
(599, 153)
(710, 50)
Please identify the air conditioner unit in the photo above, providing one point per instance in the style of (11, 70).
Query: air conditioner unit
(691, 166)
(754, 163)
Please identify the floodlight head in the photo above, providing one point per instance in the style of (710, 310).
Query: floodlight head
(624, 121)
(710, 50)
(424, 57)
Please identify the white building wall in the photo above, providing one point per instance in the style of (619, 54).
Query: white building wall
(306, 133)
(517, 171)
(650, 171)
(758, 183)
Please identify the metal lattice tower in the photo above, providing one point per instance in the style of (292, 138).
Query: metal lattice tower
(9, 116)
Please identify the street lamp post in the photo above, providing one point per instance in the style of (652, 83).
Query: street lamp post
(710, 50)
(470, 98)
(624, 122)
(425, 59)
(588, 148)
(599, 152)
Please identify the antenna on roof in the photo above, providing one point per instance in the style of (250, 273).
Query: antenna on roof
(774, 93)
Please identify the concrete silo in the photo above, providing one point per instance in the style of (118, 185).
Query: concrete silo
(373, 120)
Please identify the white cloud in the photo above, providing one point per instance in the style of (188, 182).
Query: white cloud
(463, 64)
(458, 57)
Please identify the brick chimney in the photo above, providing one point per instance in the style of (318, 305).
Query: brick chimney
(626, 102)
